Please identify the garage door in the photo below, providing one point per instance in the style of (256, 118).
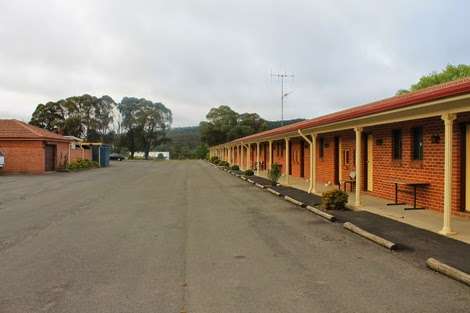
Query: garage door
(50, 157)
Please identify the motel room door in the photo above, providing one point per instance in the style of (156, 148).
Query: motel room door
(336, 161)
(370, 165)
(50, 158)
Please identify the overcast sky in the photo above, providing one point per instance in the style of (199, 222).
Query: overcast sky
(194, 55)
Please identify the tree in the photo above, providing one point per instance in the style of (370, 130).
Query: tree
(79, 116)
(223, 124)
(201, 152)
(50, 116)
(153, 119)
(128, 108)
(247, 124)
(450, 73)
(220, 122)
(146, 123)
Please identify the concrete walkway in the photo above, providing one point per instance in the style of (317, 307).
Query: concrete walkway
(425, 219)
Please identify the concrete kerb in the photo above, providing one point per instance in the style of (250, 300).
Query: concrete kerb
(274, 192)
(321, 213)
(448, 270)
(260, 186)
(377, 239)
(250, 181)
(294, 201)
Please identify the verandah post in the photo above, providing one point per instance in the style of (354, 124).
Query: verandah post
(358, 131)
(448, 119)
(287, 160)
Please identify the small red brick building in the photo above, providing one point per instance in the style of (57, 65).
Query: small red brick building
(29, 149)
(421, 138)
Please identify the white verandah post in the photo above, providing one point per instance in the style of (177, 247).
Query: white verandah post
(358, 131)
(287, 160)
(448, 119)
(270, 160)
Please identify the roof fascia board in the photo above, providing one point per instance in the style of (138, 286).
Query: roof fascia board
(426, 110)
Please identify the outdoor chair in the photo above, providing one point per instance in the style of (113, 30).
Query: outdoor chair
(351, 181)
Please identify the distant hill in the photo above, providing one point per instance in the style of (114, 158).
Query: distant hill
(184, 140)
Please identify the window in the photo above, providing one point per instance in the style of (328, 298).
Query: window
(322, 147)
(396, 144)
(417, 140)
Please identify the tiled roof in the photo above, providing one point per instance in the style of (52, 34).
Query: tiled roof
(433, 93)
(14, 129)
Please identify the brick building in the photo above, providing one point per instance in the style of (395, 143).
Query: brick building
(29, 149)
(417, 141)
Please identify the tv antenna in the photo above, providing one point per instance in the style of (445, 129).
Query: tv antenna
(284, 95)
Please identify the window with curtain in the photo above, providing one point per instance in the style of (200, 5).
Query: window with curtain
(417, 141)
(396, 144)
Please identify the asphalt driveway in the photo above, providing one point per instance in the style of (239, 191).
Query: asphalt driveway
(182, 236)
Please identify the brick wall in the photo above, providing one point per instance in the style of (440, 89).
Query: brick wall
(23, 156)
(76, 154)
(325, 164)
(430, 169)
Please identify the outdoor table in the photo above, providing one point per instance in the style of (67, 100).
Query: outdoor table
(414, 184)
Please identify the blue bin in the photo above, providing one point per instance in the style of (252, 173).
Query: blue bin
(103, 157)
(105, 151)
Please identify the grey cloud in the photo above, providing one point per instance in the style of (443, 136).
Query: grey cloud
(193, 55)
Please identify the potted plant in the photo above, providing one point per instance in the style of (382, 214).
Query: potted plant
(249, 173)
(334, 199)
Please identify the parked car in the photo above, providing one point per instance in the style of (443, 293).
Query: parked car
(116, 157)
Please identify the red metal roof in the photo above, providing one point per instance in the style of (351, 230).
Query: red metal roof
(14, 129)
(437, 92)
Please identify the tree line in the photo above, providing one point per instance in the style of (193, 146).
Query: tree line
(134, 124)
(224, 124)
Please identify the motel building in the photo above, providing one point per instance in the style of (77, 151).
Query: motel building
(412, 149)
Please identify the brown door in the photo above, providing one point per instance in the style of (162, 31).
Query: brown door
(290, 157)
(336, 161)
(50, 157)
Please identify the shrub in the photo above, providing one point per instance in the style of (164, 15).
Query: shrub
(249, 173)
(82, 164)
(224, 164)
(214, 159)
(235, 168)
(275, 173)
(334, 199)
